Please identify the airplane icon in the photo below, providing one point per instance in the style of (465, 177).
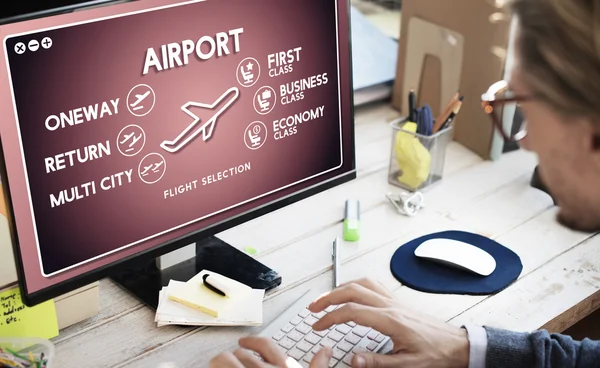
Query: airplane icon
(146, 169)
(140, 98)
(157, 166)
(196, 126)
(129, 136)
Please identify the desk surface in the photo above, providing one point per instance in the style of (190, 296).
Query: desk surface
(558, 286)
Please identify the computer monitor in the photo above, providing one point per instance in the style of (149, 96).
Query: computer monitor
(129, 131)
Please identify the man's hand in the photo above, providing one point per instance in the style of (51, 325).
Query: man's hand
(270, 353)
(419, 341)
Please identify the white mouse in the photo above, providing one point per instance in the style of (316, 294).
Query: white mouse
(457, 254)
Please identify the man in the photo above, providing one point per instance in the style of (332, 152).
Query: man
(556, 80)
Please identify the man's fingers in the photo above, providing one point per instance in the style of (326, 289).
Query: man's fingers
(369, 360)
(321, 359)
(248, 359)
(350, 293)
(225, 360)
(363, 315)
(373, 285)
(266, 348)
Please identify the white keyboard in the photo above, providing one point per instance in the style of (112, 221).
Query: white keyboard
(293, 334)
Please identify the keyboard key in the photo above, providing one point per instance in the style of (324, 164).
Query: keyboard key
(328, 342)
(359, 349)
(322, 333)
(372, 346)
(305, 346)
(295, 335)
(319, 315)
(304, 364)
(348, 358)
(332, 363)
(287, 343)
(296, 320)
(310, 320)
(342, 365)
(296, 353)
(345, 346)
(305, 313)
(338, 354)
(279, 335)
(380, 338)
(330, 309)
(283, 350)
(308, 357)
(351, 324)
(312, 338)
(344, 329)
(335, 336)
(287, 328)
(353, 339)
(372, 334)
(316, 349)
(360, 331)
(303, 328)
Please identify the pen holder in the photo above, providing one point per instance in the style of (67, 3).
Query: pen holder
(416, 161)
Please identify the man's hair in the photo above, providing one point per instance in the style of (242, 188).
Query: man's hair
(559, 44)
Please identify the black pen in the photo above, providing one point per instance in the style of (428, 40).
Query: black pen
(411, 106)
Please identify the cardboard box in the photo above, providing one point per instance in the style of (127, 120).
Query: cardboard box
(472, 39)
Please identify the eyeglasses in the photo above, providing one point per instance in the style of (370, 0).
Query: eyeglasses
(500, 99)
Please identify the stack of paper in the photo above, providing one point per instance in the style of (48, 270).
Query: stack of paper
(193, 303)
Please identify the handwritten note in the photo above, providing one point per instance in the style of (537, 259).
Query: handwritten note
(18, 320)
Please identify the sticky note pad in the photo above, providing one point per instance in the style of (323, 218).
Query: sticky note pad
(196, 295)
(18, 320)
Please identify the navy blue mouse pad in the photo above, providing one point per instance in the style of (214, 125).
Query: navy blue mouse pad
(430, 277)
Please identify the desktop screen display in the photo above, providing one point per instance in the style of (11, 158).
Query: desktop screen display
(129, 126)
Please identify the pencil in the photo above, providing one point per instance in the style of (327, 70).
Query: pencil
(445, 113)
(453, 114)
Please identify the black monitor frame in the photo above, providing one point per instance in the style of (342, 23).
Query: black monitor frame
(61, 288)
(49, 8)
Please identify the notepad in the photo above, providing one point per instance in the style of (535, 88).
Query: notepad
(195, 294)
(170, 312)
(192, 303)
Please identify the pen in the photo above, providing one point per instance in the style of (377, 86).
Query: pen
(411, 106)
(335, 255)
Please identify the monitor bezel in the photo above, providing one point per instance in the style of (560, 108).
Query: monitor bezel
(87, 278)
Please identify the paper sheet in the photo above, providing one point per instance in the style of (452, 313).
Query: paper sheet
(18, 320)
(247, 313)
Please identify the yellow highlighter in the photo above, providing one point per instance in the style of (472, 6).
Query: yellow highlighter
(413, 159)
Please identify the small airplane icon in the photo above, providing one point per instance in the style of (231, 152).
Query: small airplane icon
(134, 141)
(140, 98)
(146, 169)
(157, 166)
(196, 126)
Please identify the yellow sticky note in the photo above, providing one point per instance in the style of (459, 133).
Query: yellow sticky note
(18, 320)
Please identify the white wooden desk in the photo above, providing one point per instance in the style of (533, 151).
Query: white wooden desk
(558, 286)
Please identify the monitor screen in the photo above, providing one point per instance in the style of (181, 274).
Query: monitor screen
(130, 127)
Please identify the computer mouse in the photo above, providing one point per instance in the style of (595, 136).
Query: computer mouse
(457, 254)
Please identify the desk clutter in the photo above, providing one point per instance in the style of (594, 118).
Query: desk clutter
(419, 144)
(26, 353)
(209, 299)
